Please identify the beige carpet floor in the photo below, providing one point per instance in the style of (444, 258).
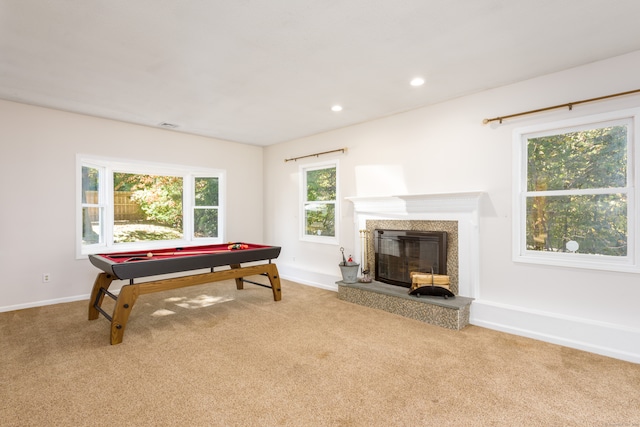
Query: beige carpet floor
(213, 356)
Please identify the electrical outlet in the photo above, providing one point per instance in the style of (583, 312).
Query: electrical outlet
(46, 277)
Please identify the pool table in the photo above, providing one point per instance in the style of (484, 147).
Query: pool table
(134, 265)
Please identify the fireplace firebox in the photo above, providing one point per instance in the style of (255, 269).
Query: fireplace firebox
(398, 253)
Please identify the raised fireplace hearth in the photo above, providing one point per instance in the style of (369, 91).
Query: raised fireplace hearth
(451, 313)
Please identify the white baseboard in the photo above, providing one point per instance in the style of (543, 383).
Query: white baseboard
(304, 277)
(619, 342)
(310, 278)
(44, 302)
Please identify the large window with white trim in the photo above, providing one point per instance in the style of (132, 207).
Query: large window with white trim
(574, 193)
(319, 207)
(125, 205)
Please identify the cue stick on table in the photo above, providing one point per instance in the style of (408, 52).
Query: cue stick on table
(151, 254)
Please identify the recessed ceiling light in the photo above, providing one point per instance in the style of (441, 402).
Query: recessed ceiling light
(336, 108)
(418, 81)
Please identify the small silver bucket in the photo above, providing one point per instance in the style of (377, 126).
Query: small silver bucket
(349, 272)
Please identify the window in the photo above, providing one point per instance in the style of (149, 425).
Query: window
(128, 205)
(575, 192)
(319, 202)
(205, 210)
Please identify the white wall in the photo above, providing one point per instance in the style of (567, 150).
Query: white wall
(37, 173)
(446, 148)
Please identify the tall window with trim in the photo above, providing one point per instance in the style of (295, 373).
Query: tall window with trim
(574, 197)
(133, 205)
(319, 202)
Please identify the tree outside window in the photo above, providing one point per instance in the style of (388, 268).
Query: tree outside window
(576, 185)
(92, 209)
(574, 192)
(147, 207)
(319, 206)
(205, 211)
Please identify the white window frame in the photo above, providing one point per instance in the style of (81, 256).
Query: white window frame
(105, 201)
(332, 240)
(628, 263)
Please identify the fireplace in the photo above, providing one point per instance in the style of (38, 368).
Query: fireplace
(398, 253)
(455, 213)
(445, 232)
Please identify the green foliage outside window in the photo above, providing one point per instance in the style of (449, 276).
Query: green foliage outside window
(576, 178)
(120, 205)
(321, 185)
(320, 215)
(159, 197)
(205, 216)
(206, 191)
(90, 183)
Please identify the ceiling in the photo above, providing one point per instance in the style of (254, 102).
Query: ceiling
(264, 72)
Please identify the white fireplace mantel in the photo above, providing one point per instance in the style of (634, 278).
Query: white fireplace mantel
(460, 207)
(418, 203)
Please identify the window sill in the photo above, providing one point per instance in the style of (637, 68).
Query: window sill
(325, 240)
(589, 262)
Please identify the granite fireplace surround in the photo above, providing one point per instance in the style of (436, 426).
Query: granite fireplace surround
(452, 313)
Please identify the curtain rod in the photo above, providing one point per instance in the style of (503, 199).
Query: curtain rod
(293, 159)
(568, 105)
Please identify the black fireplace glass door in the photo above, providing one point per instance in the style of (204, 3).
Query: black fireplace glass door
(398, 253)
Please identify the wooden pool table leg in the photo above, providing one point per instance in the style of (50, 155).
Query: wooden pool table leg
(274, 279)
(272, 272)
(102, 281)
(126, 299)
(239, 282)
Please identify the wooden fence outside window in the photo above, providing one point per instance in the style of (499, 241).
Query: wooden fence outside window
(124, 209)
